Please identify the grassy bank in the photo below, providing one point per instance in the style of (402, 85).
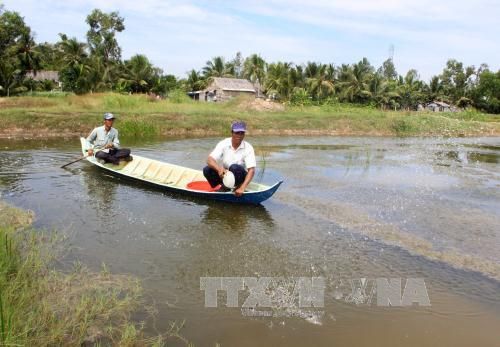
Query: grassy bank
(40, 306)
(70, 115)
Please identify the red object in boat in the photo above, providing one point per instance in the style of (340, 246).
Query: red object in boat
(203, 186)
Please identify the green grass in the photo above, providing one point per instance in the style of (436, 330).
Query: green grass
(40, 306)
(140, 115)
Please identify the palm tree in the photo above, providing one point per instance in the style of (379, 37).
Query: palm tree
(217, 67)
(254, 69)
(76, 65)
(139, 73)
(195, 81)
(410, 90)
(278, 80)
(74, 52)
(296, 77)
(436, 90)
(354, 81)
(318, 78)
(382, 91)
(101, 75)
(30, 59)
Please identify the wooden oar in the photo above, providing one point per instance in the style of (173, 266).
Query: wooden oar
(74, 161)
(97, 149)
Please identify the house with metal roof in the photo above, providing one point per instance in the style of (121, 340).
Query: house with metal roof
(223, 89)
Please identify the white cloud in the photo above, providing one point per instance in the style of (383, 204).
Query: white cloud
(179, 36)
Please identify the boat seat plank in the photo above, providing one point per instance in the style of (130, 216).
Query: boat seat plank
(141, 168)
(152, 170)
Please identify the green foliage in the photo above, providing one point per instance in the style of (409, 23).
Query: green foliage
(40, 306)
(101, 35)
(254, 68)
(138, 116)
(277, 83)
(178, 96)
(402, 126)
(96, 66)
(456, 80)
(300, 97)
(139, 74)
(16, 52)
(217, 67)
(139, 128)
(121, 102)
(487, 94)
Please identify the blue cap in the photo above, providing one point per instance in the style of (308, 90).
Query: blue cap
(108, 116)
(238, 126)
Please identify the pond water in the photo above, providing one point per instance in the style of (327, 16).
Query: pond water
(353, 212)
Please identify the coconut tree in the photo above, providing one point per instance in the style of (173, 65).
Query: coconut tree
(319, 80)
(195, 81)
(382, 91)
(217, 67)
(296, 77)
(435, 90)
(29, 58)
(411, 90)
(277, 80)
(139, 74)
(354, 81)
(101, 76)
(76, 65)
(254, 69)
(74, 53)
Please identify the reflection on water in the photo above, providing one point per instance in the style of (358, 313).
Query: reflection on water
(235, 217)
(102, 193)
(350, 208)
(471, 156)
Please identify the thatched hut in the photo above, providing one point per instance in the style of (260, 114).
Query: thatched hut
(44, 75)
(223, 89)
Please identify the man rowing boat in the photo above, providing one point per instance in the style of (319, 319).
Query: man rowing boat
(235, 155)
(104, 144)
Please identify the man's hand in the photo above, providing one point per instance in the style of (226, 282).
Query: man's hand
(109, 146)
(90, 152)
(241, 189)
(221, 171)
(239, 192)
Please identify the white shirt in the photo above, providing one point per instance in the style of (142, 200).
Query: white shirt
(244, 155)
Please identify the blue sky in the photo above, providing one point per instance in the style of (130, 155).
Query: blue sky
(180, 35)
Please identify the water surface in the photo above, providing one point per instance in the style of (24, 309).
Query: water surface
(350, 208)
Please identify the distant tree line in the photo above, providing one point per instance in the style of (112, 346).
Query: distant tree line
(96, 66)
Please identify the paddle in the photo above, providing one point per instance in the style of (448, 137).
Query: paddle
(81, 158)
(97, 149)
(74, 161)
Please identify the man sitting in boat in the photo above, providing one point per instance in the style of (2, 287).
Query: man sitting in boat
(103, 142)
(235, 155)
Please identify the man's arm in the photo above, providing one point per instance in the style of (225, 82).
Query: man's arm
(212, 163)
(116, 142)
(212, 159)
(246, 182)
(90, 142)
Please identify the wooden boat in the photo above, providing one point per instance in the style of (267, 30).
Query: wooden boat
(181, 179)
